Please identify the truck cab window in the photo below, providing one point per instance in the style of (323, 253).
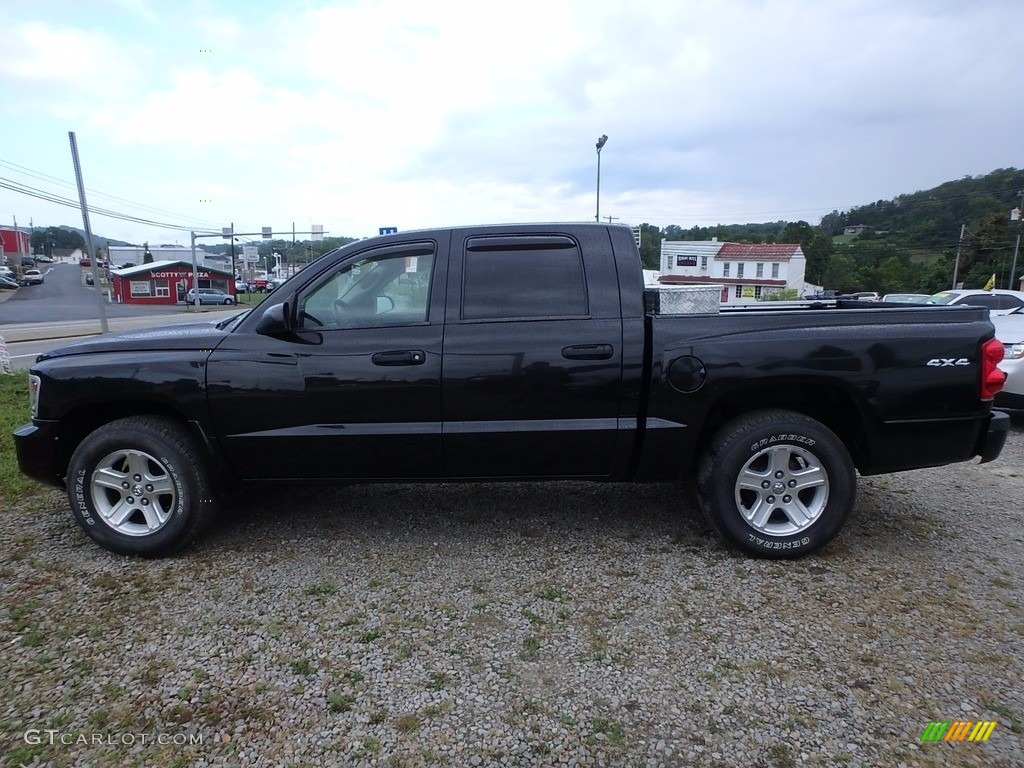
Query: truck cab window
(392, 289)
(536, 281)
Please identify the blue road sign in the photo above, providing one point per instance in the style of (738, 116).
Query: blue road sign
(388, 230)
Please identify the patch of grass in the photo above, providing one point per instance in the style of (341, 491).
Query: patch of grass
(369, 636)
(613, 731)
(533, 617)
(302, 667)
(551, 593)
(321, 589)
(371, 745)
(408, 723)
(340, 702)
(22, 615)
(530, 649)
(438, 681)
(782, 755)
(14, 412)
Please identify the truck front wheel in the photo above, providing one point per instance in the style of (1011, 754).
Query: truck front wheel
(138, 486)
(776, 483)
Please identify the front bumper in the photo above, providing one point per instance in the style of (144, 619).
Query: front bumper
(36, 446)
(992, 440)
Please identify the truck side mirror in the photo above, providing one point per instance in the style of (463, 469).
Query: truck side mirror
(275, 320)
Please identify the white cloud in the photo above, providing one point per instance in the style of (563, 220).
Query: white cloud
(368, 113)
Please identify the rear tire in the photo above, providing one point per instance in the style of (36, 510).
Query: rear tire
(138, 486)
(776, 483)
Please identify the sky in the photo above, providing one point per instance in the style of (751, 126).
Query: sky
(199, 114)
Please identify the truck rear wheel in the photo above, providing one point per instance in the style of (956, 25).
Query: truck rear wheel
(776, 483)
(138, 486)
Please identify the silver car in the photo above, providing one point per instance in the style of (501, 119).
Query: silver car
(1010, 331)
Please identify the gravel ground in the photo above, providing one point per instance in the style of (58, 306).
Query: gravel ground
(562, 624)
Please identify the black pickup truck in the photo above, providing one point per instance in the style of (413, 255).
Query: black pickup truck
(510, 352)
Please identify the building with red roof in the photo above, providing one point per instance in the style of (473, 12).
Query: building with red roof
(748, 272)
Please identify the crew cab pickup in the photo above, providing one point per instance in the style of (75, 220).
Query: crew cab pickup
(526, 352)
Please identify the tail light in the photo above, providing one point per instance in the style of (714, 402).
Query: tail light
(992, 378)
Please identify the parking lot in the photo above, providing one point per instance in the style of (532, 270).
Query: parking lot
(509, 624)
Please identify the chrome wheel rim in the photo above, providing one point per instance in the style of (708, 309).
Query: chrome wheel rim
(782, 490)
(133, 492)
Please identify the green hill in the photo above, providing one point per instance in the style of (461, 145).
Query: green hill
(909, 243)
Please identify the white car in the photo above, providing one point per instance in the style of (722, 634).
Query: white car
(33, 277)
(1010, 331)
(998, 301)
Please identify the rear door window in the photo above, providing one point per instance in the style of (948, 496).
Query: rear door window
(523, 277)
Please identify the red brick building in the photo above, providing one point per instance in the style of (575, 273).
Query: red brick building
(165, 282)
(15, 244)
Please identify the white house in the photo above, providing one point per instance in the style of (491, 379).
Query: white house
(749, 271)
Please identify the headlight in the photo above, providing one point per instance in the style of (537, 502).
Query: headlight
(33, 394)
(1013, 351)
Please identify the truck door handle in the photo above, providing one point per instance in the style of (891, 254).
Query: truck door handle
(588, 352)
(400, 357)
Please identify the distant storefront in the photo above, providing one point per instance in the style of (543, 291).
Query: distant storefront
(165, 282)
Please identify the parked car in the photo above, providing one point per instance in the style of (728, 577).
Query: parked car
(998, 301)
(28, 261)
(1010, 331)
(867, 295)
(88, 279)
(906, 298)
(44, 259)
(8, 283)
(210, 296)
(33, 277)
(84, 262)
(242, 287)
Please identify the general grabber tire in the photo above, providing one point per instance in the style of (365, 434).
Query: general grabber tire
(138, 486)
(776, 483)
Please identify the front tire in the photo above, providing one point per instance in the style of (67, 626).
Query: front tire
(138, 486)
(776, 483)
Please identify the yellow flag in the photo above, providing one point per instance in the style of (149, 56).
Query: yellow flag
(991, 283)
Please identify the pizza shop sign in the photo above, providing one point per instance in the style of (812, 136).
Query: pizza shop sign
(177, 274)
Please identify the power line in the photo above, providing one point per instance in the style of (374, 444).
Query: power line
(40, 194)
(62, 182)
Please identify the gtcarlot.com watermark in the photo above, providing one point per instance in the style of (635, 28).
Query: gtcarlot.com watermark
(54, 737)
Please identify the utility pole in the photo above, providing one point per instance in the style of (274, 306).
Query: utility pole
(233, 276)
(1015, 215)
(88, 232)
(959, 247)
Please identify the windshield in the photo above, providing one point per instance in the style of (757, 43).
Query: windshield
(942, 298)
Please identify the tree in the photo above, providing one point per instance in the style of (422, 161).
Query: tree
(45, 240)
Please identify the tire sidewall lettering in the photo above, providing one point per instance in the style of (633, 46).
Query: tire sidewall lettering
(81, 502)
(178, 485)
(786, 439)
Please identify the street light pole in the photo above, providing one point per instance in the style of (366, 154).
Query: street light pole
(600, 143)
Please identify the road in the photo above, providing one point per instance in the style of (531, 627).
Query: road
(38, 318)
(63, 296)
